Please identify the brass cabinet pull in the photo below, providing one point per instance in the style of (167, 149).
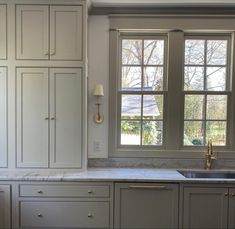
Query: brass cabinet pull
(232, 194)
(89, 215)
(40, 215)
(226, 194)
(147, 187)
(89, 191)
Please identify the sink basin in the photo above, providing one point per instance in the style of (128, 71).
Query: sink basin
(207, 174)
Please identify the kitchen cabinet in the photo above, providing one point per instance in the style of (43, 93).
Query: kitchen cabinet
(146, 205)
(3, 32)
(60, 205)
(205, 206)
(46, 32)
(49, 117)
(3, 116)
(5, 206)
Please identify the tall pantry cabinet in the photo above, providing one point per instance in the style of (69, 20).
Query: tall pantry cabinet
(44, 59)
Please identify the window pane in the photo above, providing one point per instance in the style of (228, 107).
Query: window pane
(217, 132)
(216, 78)
(131, 78)
(130, 132)
(153, 79)
(194, 52)
(131, 52)
(131, 106)
(216, 107)
(152, 133)
(153, 52)
(153, 107)
(193, 133)
(193, 107)
(193, 78)
(216, 52)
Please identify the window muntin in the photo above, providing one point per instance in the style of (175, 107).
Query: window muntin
(206, 86)
(142, 89)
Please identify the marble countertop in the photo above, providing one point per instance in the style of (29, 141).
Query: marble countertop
(107, 174)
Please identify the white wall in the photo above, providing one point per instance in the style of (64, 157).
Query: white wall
(98, 72)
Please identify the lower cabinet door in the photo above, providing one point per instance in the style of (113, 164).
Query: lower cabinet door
(64, 214)
(205, 208)
(231, 224)
(146, 206)
(5, 207)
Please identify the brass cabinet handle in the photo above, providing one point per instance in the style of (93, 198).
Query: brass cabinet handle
(232, 194)
(226, 194)
(39, 215)
(89, 215)
(147, 187)
(89, 191)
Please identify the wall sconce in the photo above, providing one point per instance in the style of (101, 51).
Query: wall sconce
(98, 92)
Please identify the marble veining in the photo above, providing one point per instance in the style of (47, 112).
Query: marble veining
(107, 174)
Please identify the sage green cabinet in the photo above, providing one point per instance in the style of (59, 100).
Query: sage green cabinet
(205, 207)
(146, 205)
(3, 32)
(5, 206)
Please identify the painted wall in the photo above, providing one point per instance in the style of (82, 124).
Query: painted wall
(98, 72)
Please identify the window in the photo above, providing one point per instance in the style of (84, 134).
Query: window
(206, 89)
(171, 90)
(141, 94)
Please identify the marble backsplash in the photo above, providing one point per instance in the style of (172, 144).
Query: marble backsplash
(158, 163)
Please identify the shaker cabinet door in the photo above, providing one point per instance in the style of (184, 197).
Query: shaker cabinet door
(3, 117)
(205, 208)
(146, 206)
(32, 117)
(5, 207)
(231, 222)
(65, 117)
(32, 32)
(3, 32)
(66, 32)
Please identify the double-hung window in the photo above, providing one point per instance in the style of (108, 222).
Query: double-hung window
(171, 90)
(142, 85)
(206, 89)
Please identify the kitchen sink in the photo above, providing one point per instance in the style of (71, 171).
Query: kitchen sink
(207, 174)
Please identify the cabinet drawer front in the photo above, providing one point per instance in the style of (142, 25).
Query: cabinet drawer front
(65, 214)
(64, 190)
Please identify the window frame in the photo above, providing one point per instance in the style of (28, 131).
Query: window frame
(163, 92)
(227, 91)
(174, 114)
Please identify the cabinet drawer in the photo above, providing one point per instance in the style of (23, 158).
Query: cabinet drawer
(65, 214)
(64, 190)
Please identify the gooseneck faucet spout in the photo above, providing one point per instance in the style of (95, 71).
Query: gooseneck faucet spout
(209, 156)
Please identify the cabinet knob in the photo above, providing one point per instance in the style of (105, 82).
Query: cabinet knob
(53, 118)
(46, 118)
(232, 194)
(40, 191)
(89, 191)
(226, 194)
(89, 215)
(40, 215)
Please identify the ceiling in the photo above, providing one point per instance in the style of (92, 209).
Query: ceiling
(163, 3)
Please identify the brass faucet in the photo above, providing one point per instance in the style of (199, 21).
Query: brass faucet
(209, 156)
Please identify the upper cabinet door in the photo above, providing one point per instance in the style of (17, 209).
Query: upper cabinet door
(66, 32)
(65, 118)
(32, 29)
(3, 117)
(32, 117)
(3, 32)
